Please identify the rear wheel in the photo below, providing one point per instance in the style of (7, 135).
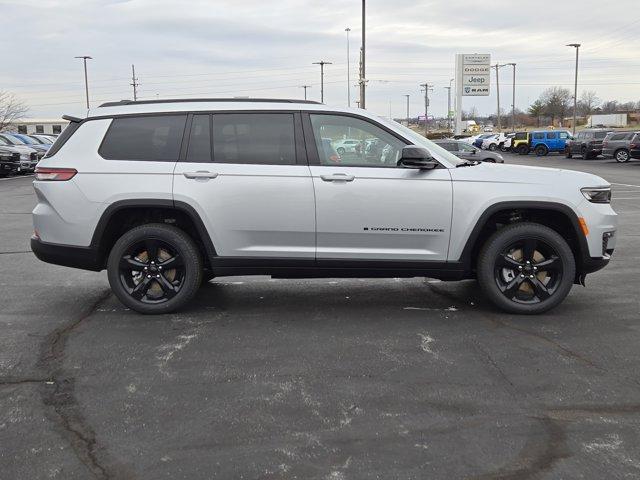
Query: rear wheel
(522, 149)
(541, 150)
(526, 268)
(154, 268)
(621, 156)
(493, 147)
(340, 151)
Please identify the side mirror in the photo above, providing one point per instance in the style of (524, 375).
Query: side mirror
(417, 157)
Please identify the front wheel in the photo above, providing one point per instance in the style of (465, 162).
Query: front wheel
(340, 151)
(154, 268)
(493, 147)
(567, 152)
(526, 268)
(522, 149)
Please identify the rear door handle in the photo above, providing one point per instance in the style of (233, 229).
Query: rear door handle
(338, 177)
(200, 174)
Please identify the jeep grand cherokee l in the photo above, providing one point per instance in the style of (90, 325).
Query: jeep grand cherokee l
(164, 194)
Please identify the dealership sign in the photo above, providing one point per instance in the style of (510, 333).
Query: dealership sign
(473, 74)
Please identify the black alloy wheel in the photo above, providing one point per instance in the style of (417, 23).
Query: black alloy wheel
(526, 268)
(154, 268)
(528, 271)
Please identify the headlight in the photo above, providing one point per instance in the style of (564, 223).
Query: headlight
(597, 194)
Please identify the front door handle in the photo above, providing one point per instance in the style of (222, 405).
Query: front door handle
(338, 177)
(200, 174)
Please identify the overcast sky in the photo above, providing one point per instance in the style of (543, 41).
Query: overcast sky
(266, 49)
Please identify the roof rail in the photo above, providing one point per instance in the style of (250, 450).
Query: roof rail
(181, 100)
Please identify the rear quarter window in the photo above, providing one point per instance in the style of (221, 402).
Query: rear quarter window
(62, 138)
(155, 138)
(600, 135)
(538, 136)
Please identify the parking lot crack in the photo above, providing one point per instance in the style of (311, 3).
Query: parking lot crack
(59, 394)
(10, 381)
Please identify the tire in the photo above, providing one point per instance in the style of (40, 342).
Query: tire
(584, 153)
(541, 151)
(131, 255)
(622, 155)
(567, 152)
(340, 151)
(522, 149)
(493, 147)
(489, 160)
(535, 290)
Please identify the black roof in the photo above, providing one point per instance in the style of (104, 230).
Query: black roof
(181, 100)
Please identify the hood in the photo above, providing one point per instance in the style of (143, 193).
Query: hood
(501, 173)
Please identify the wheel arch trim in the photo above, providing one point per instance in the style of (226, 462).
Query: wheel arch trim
(582, 254)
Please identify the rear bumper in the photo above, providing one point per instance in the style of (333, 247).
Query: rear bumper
(85, 258)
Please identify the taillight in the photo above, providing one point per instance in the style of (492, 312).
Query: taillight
(55, 174)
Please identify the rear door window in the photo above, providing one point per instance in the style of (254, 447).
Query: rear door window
(552, 135)
(538, 136)
(147, 138)
(254, 138)
(600, 135)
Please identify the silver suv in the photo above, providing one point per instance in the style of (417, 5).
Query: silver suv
(166, 194)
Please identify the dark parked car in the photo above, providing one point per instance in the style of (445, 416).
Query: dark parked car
(587, 143)
(478, 141)
(617, 145)
(9, 162)
(469, 152)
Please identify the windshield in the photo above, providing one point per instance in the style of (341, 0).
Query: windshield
(27, 140)
(437, 151)
(12, 140)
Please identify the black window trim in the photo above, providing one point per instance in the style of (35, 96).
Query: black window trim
(312, 148)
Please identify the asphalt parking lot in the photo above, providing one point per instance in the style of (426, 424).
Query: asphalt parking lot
(327, 379)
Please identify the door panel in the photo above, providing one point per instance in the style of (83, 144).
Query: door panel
(382, 213)
(260, 209)
(368, 208)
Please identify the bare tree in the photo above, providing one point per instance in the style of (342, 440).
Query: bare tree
(589, 101)
(11, 109)
(556, 102)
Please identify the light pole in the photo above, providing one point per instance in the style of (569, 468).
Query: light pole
(513, 99)
(448, 107)
(305, 90)
(322, 63)
(348, 69)
(362, 54)
(426, 87)
(498, 92)
(86, 81)
(575, 89)
(407, 109)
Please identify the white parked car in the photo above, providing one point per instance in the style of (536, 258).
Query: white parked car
(166, 194)
(494, 142)
(347, 145)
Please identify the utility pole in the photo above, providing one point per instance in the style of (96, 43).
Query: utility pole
(426, 87)
(498, 92)
(362, 58)
(305, 90)
(575, 90)
(407, 109)
(322, 63)
(86, 81)
(134, 82)
(348, 69)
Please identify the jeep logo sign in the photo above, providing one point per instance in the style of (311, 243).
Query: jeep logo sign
(473, 74)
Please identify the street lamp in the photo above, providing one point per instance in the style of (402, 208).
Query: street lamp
(575, 90)
(86, 82)
(348, 69)
(513, 99)
(322, 63)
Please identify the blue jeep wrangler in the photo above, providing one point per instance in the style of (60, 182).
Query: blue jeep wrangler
(541, 142)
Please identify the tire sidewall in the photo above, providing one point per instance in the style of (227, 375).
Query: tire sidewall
(508, 235)
(185, 247)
